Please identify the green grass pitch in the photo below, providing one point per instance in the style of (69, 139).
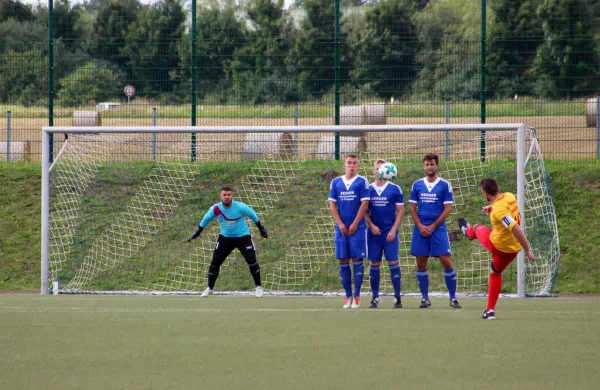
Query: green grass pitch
(224, 342)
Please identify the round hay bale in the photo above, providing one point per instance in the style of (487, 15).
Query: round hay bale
(19, 151)
(352, 116)
(264, 145)
(375, 114)
(591, 112)
(87, 118)
(326, 147)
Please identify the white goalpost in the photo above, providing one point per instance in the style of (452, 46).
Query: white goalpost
(118, 203)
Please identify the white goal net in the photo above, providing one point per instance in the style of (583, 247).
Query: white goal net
(119, 204)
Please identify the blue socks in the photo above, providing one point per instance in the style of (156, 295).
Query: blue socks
(451, 281)
(423, 280)
(359, 275)
(346, 278)
(374, 278)
(396, 276)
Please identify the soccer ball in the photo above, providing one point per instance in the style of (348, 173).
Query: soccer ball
(387, 171)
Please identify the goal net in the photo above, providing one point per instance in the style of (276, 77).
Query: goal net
(119, 204)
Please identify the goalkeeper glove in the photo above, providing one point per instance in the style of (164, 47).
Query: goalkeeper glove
(196, 234)
(262, 230)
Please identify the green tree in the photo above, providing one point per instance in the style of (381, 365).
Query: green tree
(385, 52)
(151, 45)
(21, 36)
(110, 27)
(449, 49)
(514, 39)
(258, 68)
(23, 79)
(567, 61)
(313, 53)
(12, 9)
(95, 81)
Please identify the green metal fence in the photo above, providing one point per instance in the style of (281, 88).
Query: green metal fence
(263, 62)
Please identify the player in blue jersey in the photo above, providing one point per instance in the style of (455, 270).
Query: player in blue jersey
(386, 209)
(431, 201)
(234, 234)
(348, 203)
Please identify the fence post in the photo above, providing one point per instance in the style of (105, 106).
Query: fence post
(482, 70)
(51, 75)
(597, 127)
(154, 135)
(447, 132)
(296, 133)
(194, 80)
(337, 74)
(8, 114)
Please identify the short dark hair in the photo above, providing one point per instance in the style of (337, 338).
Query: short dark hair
(351, 155)
(226, 188)
(432, 157)
(489, 185)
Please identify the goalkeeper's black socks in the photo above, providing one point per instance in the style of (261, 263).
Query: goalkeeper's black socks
(255, 271)
(213, 274)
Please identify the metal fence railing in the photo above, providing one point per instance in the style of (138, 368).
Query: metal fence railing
(275, 62)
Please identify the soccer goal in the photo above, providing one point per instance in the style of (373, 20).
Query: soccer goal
(119, 202)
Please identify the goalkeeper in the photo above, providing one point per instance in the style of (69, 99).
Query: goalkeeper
(234, 234)
(505, 241)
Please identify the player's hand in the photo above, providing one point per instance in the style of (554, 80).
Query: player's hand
(530, 255)
(424, 230)
(263, 232)
(343, 229)
(196, 234)
(486, 209)
(352, 229)
(375, 230)
(391, 236)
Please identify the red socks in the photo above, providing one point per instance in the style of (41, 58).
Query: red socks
(470, 233)
(494, 289)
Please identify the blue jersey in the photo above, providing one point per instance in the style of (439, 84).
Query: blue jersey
(230, 219)
(430, 199)
(349, 194)
(382, 207)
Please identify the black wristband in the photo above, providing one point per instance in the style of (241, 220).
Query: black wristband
(259, 225)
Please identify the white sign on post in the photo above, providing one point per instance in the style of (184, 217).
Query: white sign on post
(129, 91)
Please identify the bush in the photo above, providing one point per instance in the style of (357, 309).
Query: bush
(95, 81)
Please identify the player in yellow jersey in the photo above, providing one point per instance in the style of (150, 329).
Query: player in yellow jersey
(504, 241)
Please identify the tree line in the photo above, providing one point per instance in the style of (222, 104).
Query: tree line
(258, 51)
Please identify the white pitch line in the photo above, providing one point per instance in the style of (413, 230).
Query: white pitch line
(24, 309)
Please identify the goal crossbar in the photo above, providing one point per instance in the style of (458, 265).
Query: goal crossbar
(279, 129)
(47, 132)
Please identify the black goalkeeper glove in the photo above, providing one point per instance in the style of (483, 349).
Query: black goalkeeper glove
(196, 234)
(262, 230)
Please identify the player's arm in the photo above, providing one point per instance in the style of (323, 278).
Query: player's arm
(336, 217)
(424, 230)
(520, 236)
(208, 217)
(250, 213)
(374, 228)
(362, 211)
(443, 216)
(399, 214)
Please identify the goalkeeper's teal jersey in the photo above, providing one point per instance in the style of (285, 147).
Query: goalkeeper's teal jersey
(230, 219)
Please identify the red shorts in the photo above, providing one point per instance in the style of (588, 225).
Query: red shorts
(500, 260)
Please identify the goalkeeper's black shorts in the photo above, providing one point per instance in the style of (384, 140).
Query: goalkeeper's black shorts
(225, 245)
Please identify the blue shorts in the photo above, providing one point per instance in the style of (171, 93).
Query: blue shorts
(379, 246)
(354, 246)
(436, 245)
